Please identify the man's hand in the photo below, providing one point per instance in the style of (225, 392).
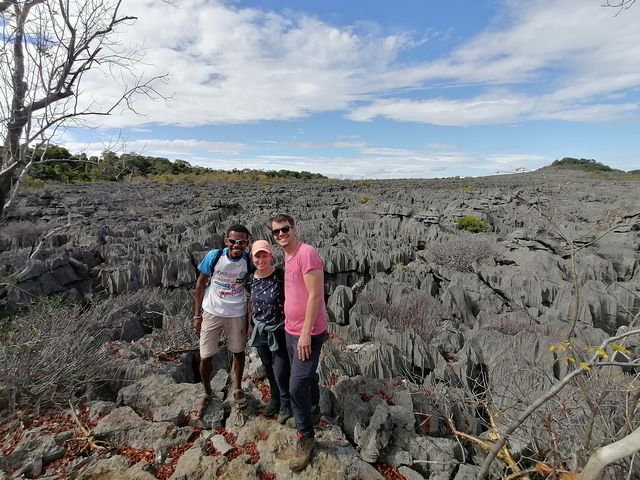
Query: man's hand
(197, 324)
(304, 346)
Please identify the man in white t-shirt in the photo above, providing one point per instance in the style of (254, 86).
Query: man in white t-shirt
(222, 306)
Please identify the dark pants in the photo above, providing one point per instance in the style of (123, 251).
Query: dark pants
(276, 364)
(304, 382)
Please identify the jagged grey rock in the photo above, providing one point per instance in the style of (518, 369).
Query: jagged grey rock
(123, 426)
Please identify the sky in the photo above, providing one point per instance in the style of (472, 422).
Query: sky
(362, 89)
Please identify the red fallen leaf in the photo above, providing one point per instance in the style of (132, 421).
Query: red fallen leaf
(262, 436)
(135, 455)
(249, 448)
(386, 397)
(211, 450)
(9, 439)
(176, 452)
(163, 472)
(331, 335)
(449, 357)
(425, 421)
(389, 472)
(332, 380)
(228, 436)
(263, 388)
(366, 397)
(266, 476)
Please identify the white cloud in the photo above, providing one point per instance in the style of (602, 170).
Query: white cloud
(474, 111)
(554, 60)
(185, 149)
(385, 162)
(229, 64)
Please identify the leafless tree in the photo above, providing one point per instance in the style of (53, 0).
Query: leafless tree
(48, 46)
(624, 442)
(620, 5)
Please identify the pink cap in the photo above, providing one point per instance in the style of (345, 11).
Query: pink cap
(261, 246)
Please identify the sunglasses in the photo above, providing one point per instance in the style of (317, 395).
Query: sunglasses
(285, 229)
(237, 242)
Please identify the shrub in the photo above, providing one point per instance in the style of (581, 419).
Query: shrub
(22, 233)
(364, 198)
(472, 224)
(417, 311)
(47, 354)
(31, 183)
(459, 252)
(512, 323)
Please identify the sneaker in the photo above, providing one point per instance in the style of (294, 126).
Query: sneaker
(315, 419)
(285, 415)
(302, 454)
(271, 409)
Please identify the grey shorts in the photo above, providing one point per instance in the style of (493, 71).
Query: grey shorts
(235, 329)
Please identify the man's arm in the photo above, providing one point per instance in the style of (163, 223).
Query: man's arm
(314, 282)
(201, 285)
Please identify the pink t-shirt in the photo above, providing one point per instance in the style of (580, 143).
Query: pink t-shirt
(305, 259)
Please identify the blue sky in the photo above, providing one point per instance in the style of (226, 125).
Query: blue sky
(362, 89)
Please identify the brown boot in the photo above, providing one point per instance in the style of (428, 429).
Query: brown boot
(302, 455)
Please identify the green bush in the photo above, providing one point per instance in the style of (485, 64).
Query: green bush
(586, 164)
(472, 224)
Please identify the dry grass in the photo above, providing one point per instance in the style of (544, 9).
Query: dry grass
(48, 354)
(459, 252)
(417, 311)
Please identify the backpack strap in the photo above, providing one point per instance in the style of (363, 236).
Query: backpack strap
(250, 266)
(215, 259)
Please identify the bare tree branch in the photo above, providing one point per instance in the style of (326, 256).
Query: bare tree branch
(610, 453)
(552, 392)
(48, 47)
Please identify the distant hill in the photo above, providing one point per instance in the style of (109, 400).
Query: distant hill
(585, 164)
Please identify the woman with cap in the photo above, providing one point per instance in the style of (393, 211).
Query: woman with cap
(267, 302)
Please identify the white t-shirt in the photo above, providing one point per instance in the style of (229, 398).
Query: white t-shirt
(226, 295)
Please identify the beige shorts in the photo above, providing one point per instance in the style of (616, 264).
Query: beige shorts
(235, 329)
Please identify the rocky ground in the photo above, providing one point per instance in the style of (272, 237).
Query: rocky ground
(436, 334)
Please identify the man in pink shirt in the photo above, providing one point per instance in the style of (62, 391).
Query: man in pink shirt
(305, 326)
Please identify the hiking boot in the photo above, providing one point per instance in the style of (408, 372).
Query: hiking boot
(315, 419)
(272, 408)
(284, 415)
(315, 416)
(302, 454)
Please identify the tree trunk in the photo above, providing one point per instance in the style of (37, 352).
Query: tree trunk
(610, 453)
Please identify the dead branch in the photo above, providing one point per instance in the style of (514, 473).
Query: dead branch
(503, 454)
(595, 361)
(86, 442)
(610, 453)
